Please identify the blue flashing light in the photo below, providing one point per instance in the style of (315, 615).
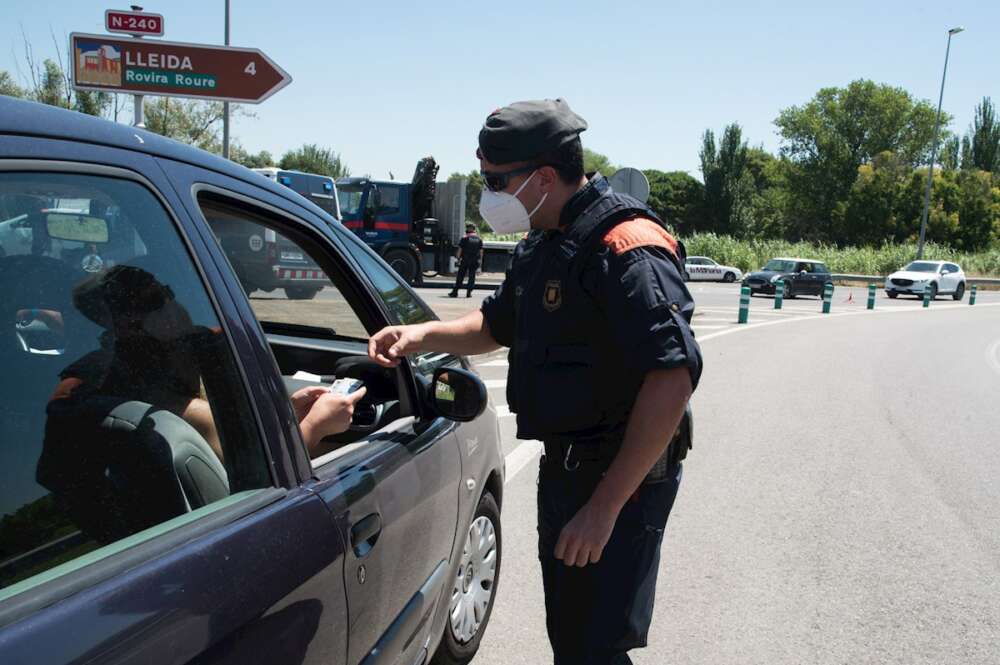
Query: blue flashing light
(327, 186)
(285, 180)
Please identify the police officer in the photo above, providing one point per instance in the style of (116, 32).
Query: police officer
(602, 364)
(470, 250)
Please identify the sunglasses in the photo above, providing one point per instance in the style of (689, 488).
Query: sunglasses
(497, 182)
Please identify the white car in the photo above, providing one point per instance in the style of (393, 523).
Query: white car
(943, 277)
(702, 268)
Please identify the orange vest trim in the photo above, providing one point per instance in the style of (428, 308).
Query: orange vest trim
(639, 232)
(65, 388)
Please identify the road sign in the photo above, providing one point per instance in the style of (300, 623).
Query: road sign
(174, 69)
(133, 23)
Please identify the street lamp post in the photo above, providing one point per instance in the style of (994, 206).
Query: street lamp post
(937, 124)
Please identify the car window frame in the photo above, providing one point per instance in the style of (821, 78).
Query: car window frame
(87, 571)
(318, 240)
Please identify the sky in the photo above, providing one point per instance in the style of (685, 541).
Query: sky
(386, 83)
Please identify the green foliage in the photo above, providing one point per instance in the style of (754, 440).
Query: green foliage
(982, 142)
(877, 260)
(473, 192)
(9, 87)
(595, 161)
(830, 137)
(259, 160)
(729, 183)
(311, 158)
(677, 198)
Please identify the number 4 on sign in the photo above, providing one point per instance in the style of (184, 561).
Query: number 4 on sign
(251, 69)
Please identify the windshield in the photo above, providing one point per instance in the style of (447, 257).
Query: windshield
(922, 266)
(779, 265)
(350, 200)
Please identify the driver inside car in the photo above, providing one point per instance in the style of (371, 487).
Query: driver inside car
(149, 352)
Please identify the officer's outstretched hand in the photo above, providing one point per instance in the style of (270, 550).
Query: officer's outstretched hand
(583, 538)
(388, 346)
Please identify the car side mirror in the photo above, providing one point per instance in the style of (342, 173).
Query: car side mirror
(457, 394)
(945, 271)
(803, 272)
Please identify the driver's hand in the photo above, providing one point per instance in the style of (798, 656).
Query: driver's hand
(303, 398)
(388, 346)
(329, 414)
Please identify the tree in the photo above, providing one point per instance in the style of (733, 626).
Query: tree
(595, 161)
(9, 87)
(982, 142)
(678, 199)
(729, 184)
(239, 154)
(872, 212)
(473, 193)
(189, 121)
(311, 158)
(828, 138)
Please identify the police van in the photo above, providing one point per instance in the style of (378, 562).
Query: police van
(319, 189)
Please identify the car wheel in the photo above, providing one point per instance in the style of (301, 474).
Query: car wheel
(892, 295)
(789, 293)
(474, 591)
(934, 290)
(301, 292)
(729, 278)
(403, 263)
(959, 292)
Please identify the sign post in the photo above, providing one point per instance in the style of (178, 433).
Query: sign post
(173, 69)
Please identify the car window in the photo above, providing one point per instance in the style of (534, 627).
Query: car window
(807, 267)
(122, 407)
(388, 199)
(403, 307)
(284, 282)
(954, 268)
(821, 267)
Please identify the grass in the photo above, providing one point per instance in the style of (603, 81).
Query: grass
(752, 254)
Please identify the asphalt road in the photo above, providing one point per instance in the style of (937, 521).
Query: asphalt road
(841, 504)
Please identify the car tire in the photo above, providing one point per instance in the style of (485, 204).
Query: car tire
(403, 263)
(301, 292)
(729, 278)
(892, 295)
(934, 292)
(458, 645)
(959, 292)
(789, 293)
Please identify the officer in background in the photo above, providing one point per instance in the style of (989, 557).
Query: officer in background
(470, 252)
(602, 364)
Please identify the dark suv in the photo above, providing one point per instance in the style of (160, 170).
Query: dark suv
(802, 277)
(160, 502)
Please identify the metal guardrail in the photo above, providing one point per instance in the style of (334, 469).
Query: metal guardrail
(881, 278)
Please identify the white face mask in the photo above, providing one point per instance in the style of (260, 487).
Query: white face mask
(505, 213)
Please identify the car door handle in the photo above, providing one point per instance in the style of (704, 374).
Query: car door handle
(365, 533)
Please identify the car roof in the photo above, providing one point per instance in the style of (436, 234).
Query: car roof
(789, 258)
(25, 118)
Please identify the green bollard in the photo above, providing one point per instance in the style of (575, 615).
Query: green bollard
(827, 297)
(871, 296)
(927, 295)
(972, 295)
(779, 293)
(744, 304)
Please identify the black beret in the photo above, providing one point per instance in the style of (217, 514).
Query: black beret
(524, 130)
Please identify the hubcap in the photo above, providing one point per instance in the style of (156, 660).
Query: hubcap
(473, 587)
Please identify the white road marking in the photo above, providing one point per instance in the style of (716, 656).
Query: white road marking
(494, 363)
(698, 326)
(503, 411)
(495, 383)
(993, 356)
(528, 450)
(520, 457)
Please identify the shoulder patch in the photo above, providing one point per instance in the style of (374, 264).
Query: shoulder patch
(639, 232)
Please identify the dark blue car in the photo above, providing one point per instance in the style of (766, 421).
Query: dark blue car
(160, 502)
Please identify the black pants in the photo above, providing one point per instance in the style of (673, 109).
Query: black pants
(463, 269)
(595, 614)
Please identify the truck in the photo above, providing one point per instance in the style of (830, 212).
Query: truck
(415, 226)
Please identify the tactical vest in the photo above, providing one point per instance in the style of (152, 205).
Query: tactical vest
(568, 378)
